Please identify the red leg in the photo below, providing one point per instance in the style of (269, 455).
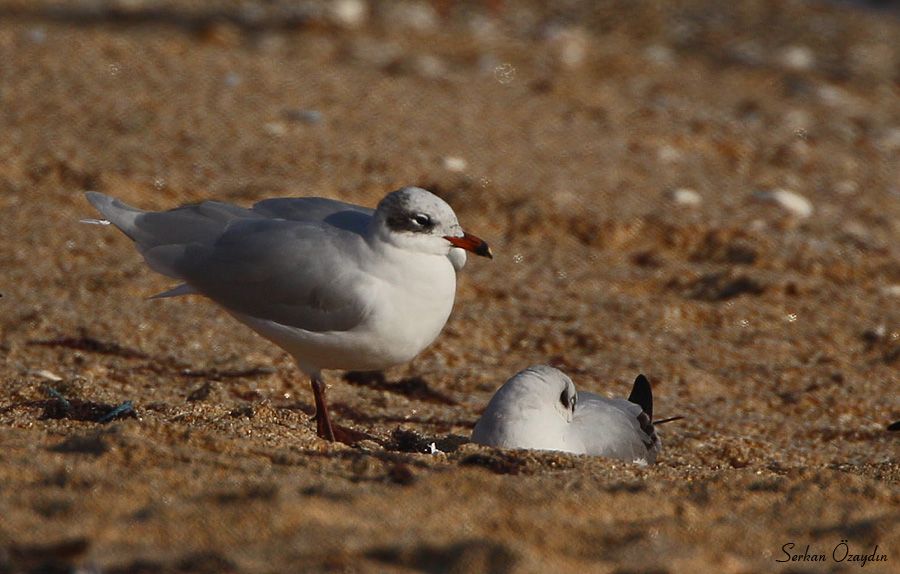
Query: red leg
(323, 421)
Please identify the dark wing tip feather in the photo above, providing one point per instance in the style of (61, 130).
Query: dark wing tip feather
(641, 395)
(894, 426)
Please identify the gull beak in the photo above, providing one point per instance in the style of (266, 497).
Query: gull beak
(471, 243)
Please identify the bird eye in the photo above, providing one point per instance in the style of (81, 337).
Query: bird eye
(421, 220)
(564, 400)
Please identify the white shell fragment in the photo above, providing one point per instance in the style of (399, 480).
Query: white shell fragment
(790, 201)
(349, 13)
(46, 375)
(685, 196)
(455, 164)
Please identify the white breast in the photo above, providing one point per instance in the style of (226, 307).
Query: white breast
(413, 305)
(410, 301)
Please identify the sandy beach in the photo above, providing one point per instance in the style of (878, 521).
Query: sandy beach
(707, 193)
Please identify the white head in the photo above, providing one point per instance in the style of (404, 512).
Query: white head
(545, 387)
(417, 220)
(533, 409)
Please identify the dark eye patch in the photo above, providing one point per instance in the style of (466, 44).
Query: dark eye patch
(406, 221)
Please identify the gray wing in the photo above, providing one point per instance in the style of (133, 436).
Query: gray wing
(354, 218)
(297, 273)
(614, 428)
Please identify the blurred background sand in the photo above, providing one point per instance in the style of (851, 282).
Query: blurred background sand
(704, 192)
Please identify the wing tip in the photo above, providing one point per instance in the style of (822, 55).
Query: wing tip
(177, 291)
(98, 200)
(114, 211)
(642, 395)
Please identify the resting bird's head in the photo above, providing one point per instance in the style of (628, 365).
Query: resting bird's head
(538, 391)
(533, 409)
(550, 386)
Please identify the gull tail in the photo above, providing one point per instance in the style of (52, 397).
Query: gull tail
(159, 244)
(121, 215)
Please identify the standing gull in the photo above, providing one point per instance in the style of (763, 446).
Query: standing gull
(336, 285)
(539, 408)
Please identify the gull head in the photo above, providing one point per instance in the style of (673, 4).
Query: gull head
(417, 220)
(549, 386)
(539, 390)
(533, 409)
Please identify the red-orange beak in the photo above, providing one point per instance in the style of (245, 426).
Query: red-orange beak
(471, 243)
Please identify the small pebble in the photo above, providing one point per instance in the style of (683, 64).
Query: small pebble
(271, 42)
(659, 55)
(569, 45)
(748, 52)
(796, 119)
(798, 58)
(455, 164)
(232, 79)
(859, 233)
(874, 334)
(429, 66)
(668, 154)
(890, 141)
(793, 202)
(891, 290)
(369, 445)
(419, 16)
(846, 187)
(833, 96)
(276, 129)
(685, 196)
(38, 35)
(310, 117)
(349, 13)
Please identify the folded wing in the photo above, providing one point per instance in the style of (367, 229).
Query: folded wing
(303, 266)
(613, 428)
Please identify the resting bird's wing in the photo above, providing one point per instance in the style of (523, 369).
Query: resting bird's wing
(354, 218)
(614, 428)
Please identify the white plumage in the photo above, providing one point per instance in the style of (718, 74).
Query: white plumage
(539, 408)
(338, 286)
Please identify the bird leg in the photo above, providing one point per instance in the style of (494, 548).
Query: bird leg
(323, 421)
